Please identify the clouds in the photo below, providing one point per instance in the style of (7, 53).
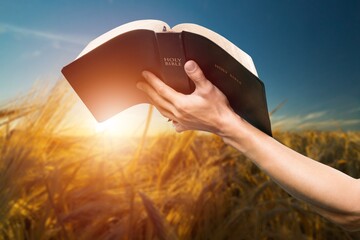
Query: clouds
(330, 124)
(354, 110)
(314, 115)
(320, 120)
(32, 43)
(31, 53)
(44, 35)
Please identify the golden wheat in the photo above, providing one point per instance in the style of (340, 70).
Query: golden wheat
(170, 186)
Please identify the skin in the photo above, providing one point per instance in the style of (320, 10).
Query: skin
(333, 194)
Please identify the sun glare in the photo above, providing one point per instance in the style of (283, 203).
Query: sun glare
(122, 124)
(109, 125)
(131, 122)
(119, 125)
(128, 123)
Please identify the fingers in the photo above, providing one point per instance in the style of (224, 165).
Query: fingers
(186, 111)
(161, 88)
(158, 101)
(161, 105)
(178, 127)
(196, 75)
(165, 113)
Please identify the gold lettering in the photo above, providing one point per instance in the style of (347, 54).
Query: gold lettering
(222, 69)
(235, 78)
(172, 62)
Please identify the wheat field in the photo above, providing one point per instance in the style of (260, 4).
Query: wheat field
(168, 186)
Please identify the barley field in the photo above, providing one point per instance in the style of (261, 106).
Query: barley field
(168, 186)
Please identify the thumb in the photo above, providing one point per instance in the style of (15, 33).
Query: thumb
(195, 74)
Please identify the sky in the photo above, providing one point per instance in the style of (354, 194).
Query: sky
(307, 53)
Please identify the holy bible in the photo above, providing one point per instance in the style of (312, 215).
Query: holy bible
(105, 73)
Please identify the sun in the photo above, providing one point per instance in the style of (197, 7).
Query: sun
(131, 122)
(108, 125)
(126, 123)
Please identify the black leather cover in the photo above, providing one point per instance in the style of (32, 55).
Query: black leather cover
(105, 78)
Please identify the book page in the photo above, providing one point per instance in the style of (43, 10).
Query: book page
(221, 41)
(155, 25)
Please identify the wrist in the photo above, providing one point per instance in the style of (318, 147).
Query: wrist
(237, 132)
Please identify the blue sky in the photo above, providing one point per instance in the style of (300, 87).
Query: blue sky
(306, 52)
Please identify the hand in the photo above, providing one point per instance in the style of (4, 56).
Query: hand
(206, 109)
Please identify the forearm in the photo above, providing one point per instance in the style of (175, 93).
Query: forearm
(335, 194)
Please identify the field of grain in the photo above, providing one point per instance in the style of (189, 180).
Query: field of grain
(169, 186)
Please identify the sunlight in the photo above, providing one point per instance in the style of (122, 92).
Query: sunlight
(108, 125)
(126, 123)
(131, 122)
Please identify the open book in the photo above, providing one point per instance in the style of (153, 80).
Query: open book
(105, 73)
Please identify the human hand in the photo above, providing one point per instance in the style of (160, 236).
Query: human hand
(206, 109)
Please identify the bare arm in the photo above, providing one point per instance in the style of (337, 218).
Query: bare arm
(334, 194)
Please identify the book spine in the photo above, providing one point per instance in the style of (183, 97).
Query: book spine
(172, 60)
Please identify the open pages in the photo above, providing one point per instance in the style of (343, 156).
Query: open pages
(159, 26)
(155, 25)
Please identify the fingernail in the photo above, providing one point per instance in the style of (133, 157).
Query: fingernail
(139, 85)
(144, 74)
(190, 66)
